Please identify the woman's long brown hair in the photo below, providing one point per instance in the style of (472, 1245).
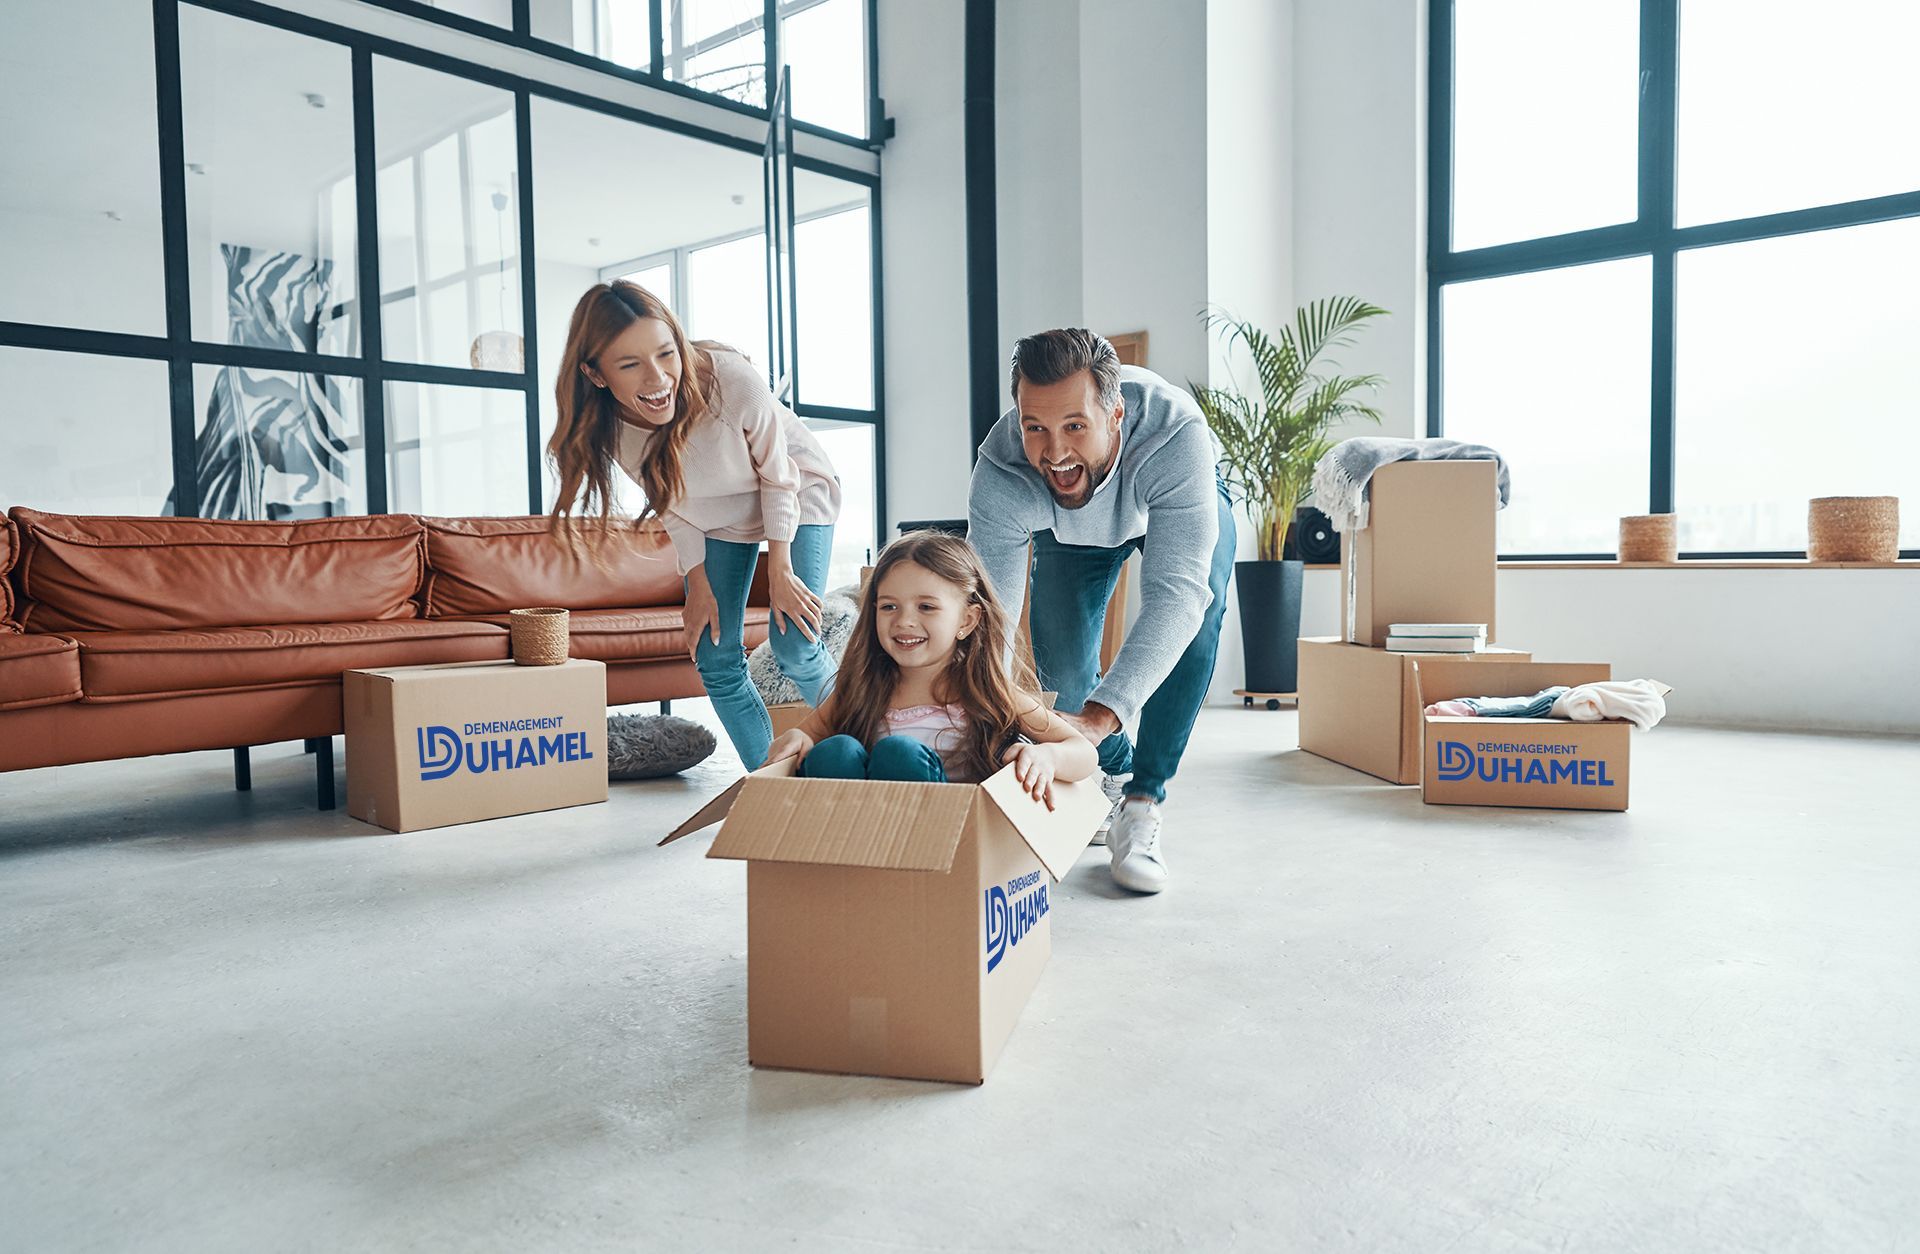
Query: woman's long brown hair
(586, 438)
(977, 678)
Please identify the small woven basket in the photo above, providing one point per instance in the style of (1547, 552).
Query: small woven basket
(1853, 529)
(539, 636)
(1649, 538)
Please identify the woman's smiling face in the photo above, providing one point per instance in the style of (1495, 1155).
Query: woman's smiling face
(641, 367)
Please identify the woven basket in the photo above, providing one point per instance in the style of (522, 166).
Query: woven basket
(539, 636)
(1853, 529)
(1649, 538)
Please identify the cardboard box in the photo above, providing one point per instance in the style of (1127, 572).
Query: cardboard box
(894, 929)
(428, 746)
(1545, 763)
(1361, 708)
(788, 715)
(1427, 553)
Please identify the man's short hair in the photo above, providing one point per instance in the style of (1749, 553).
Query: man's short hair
(1050, 356)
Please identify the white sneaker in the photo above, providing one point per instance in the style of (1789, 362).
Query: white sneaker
(1134, 846)
(1115, 786)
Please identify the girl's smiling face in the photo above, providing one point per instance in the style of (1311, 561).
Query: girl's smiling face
(921, 617)
(641, 367)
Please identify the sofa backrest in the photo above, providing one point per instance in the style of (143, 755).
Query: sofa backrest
(9, 551)
(492, 565)
(84, 573)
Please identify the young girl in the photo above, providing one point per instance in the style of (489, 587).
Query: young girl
(923, 693)
(723, 464)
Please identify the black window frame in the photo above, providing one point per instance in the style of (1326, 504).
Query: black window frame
(520, 35)
(181, 352)
(1653, 233)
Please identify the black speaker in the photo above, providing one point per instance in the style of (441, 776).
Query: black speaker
(1312, 538)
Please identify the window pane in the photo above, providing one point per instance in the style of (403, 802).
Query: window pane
(493, 12)
(620, 31)
(697, 21)
(1552, 370)
(727, 295)
(269, 147)
(1776, 401)
(80, 213)
(833, 253)
(849, 447)
(1782, 106)
(456, 451)
(826, 48)
(656, 279)
(449, 219)
(1546, 108)
(273, 445)
(610, 194)
(118, 461)
(734, 68)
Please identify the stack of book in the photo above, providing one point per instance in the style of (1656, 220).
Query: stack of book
(1437, 638)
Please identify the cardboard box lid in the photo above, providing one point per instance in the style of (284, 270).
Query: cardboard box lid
(1445, 679)
(435, 671)
(1057, 836)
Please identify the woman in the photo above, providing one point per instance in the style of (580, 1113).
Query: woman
(724, 466)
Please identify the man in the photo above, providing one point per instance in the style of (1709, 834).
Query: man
(1096, 461)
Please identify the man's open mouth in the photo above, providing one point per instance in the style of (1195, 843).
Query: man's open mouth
(1066, 479)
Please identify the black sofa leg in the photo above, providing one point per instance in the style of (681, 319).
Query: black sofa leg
(242, 770)
(323, 769)
(666, 707)
(312, 744)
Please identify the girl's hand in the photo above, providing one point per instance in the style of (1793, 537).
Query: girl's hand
(702, 613)
(794, 744)
(791, 599)
(1033, 766)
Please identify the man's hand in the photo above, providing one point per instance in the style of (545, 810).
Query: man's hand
(1095, 722)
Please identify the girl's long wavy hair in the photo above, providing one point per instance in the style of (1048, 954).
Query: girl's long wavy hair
(977, 678)
(586, 438)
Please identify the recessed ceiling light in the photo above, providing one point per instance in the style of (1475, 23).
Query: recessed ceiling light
(194, 167)
(593, 241)
(112, 215)
(738, 199)
(317, 100)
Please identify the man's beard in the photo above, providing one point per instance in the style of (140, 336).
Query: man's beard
(1089, 484)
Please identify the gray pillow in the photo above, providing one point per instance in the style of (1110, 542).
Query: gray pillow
(647, 746)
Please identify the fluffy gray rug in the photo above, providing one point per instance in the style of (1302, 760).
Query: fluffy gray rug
(647, 746)
(839, 609)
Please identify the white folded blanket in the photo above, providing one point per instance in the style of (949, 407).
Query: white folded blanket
(1642, 702)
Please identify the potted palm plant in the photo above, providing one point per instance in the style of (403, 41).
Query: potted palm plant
(1270, 439)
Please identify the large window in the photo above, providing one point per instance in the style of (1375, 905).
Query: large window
(1673, 256)
(262, 266)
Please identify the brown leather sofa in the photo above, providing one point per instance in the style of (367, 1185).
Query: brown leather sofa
(122, 637)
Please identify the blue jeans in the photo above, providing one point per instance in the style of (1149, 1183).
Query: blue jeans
(894, 757)
(723, 666)
(1069, 590)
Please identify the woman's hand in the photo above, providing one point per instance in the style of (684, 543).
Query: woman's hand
(1033, 766)
(794, 744)
(702, 614)
(791, 599)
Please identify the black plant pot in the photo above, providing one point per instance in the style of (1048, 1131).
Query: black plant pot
(1270, 624)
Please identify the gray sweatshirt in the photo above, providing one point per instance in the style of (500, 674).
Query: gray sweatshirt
(1164, 481)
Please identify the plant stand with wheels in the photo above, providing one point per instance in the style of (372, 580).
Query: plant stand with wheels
(1273, 699)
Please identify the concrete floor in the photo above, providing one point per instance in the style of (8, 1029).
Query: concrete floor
(233, 1023)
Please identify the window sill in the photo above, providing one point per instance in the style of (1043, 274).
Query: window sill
(1757, 564)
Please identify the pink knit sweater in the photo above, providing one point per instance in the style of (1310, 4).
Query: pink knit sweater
(753, 470)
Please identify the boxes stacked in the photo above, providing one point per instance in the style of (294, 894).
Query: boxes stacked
(1417, 612)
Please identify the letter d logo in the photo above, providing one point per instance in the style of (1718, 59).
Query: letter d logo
(439, 752)
(999, 925)
(1455, 760)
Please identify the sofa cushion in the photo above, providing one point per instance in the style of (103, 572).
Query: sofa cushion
(9, 550)
(635, 635)
(492, 565)
(38, 670)
(79, 573)
(139, 665)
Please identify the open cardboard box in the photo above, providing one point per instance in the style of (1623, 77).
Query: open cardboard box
(894, 929)
(1360, 707)
(1428, 553)
(1547, 763)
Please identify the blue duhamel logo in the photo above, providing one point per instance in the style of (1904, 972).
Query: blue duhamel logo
(479, 749)
(1012, 912)
(1455, 761)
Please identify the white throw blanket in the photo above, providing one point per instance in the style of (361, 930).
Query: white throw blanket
(1341, 477)
(1642, 702)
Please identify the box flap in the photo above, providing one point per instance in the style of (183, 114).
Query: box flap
(715, 810)
(1058, 836)
(846, 822)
